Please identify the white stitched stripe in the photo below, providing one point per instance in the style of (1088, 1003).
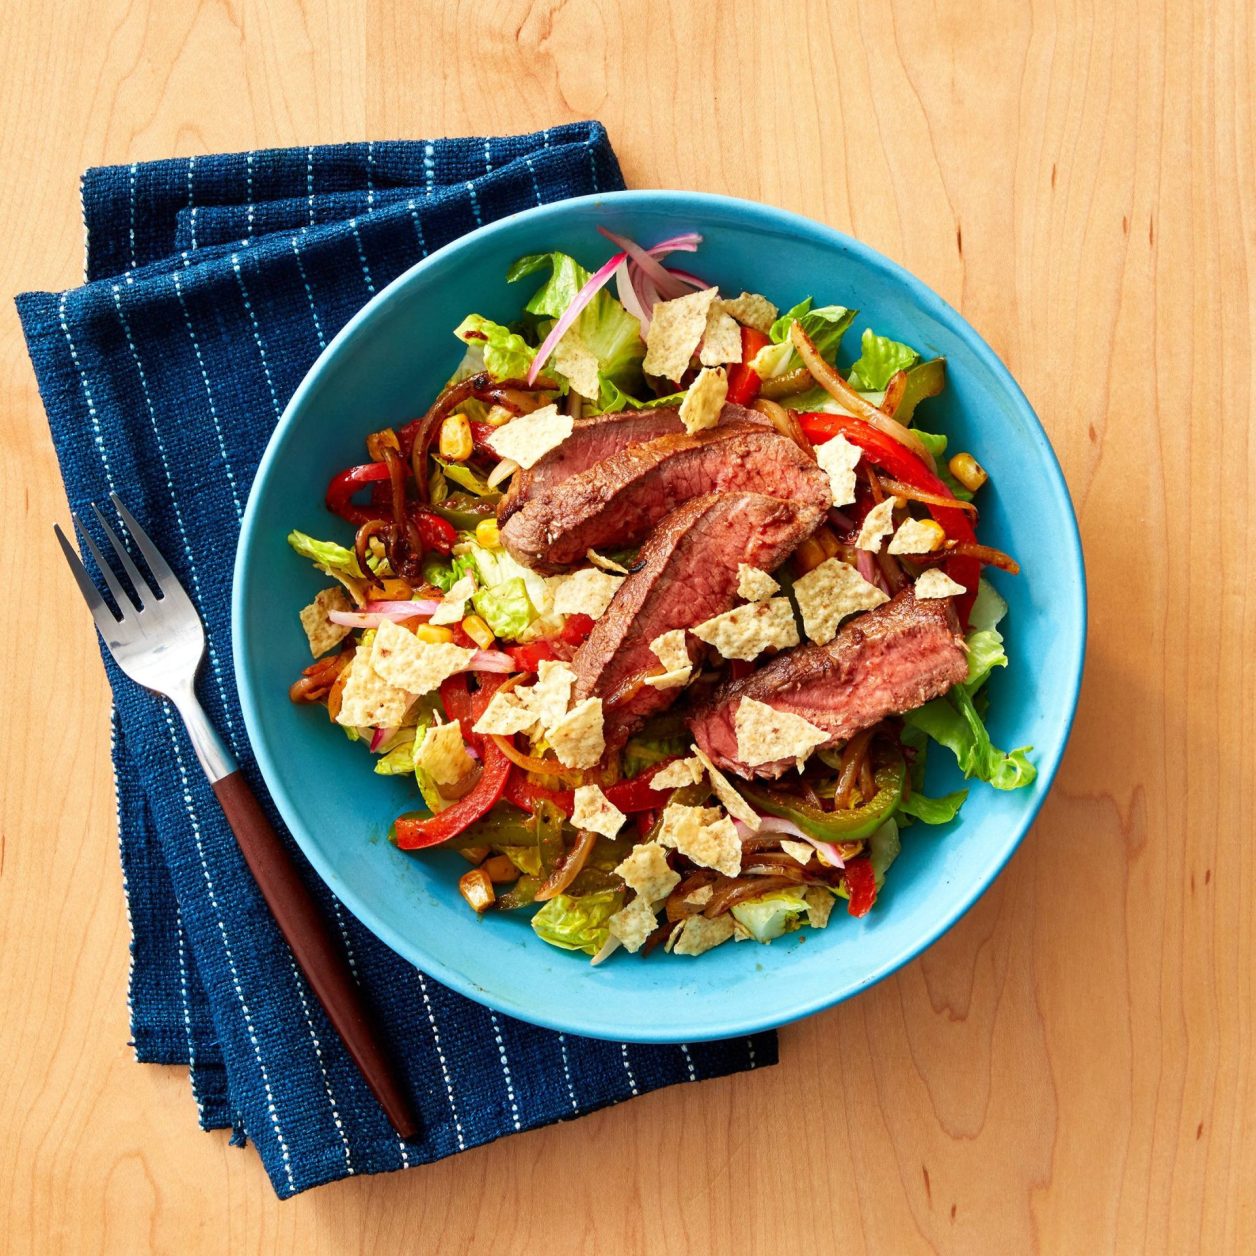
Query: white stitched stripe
(248, 166)
(592, 163)
(309, 180)
(429, 167)
(440, 1055)
(370, 174)
(536, 186)
(318, 1052)
(209, 396)
(475, 204)
(366, 270)
(571, 1090)
(418, 226)
(93, 417)
(215, 665)
(632, 1081)
(510, 1085)
(488, 156)
(750, 1050)
(131, 185)
(257, 333)
(309, 292)
(693, 1076)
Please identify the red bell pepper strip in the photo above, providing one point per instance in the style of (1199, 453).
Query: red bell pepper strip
(862, 885)
(903, 465)
(343, 486)
(638, 794)
(526, 796)
(436, 533)
(526, 657)
(456, 699)
(415, 834)
(743, 383)
(576, 629)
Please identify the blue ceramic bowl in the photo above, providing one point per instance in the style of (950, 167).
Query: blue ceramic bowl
(383, 368)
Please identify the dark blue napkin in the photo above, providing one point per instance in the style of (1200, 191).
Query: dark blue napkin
(214, 282)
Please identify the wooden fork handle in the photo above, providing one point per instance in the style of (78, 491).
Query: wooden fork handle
(320, 957)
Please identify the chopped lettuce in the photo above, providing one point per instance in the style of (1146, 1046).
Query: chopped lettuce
(399, 761)
(880, 358)
(935, 443)
(492, 567)
(439, 571)
(578, 924)
(464, 477)
(506, 354)
(933, 810)
(883, 848)
(988, 607)
(505, 607)
(327, 556)
(952, 721)
(644, 752)
(772, 914)
(825, 324)
(606, 328)
(612, 398)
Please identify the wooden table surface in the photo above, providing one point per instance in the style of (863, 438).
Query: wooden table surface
(1070, 1069)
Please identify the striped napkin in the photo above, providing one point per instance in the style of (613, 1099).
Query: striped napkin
(212, 285)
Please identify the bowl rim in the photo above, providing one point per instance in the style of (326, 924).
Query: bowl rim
(695, 204)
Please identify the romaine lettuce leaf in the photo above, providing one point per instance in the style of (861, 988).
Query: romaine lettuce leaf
(327, 556)
(464, 477)
(953, 722)
(399, 761)
(604, 325)
(933, 810)
(506, 354)
(772, 914)
(578, 924)
(825, 324)
(505, 607)
(883, 848)
(880, 358)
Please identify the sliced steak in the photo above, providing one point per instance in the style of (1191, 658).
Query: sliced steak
(887, 661)
(618, 500)
(598, 437)
(688, 573)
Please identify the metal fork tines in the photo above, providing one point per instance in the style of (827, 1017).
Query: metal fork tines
(156, 637)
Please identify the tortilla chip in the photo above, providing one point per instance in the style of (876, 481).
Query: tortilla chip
(705, 399)
(721, 341)
(878, 523)
(577, 738)
(675, 329)
(575, 360)
(765, 734)
(454, 604)
(752, 310)
(322, 634)
(671, 937)
(936, 583)
(839, 458)
(368, 700)
(596, 813)
(733, 802)
(800, 851)
(677, 774)
(746, 631)
(550, 695)
(699, 897)
(505, 715)
(830, 592)
(669, 680)
(418, 666)
(916, 536)
(586, 592)
(646, 871)
(754, 585)
(605, 564)
(670, 649)
(527, 439)
(442, 755)
(700, 934)
(819, 905)
(633, 924)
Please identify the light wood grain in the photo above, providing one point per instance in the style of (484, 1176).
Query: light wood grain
(1070, 1069)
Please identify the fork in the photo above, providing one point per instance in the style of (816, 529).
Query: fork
(158, 641)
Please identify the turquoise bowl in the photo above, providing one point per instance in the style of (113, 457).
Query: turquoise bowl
(384, 368)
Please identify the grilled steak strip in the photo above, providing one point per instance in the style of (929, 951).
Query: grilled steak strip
(890, 660)
(688, 573)
(618, 500)
(599, 437)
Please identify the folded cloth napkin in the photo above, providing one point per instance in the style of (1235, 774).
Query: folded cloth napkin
(213, 283)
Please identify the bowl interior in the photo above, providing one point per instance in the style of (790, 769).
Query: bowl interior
(383, 369)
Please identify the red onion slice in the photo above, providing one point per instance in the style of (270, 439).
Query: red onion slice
(582, 298)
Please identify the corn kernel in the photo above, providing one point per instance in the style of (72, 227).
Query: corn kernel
(455, 438)
(476, 887)
(809, 555)
(968, 471)
(497, 416)
(488, 534)
(474, 854)
(500, 869)
(434, 634)
(828, 542)
(478, 631)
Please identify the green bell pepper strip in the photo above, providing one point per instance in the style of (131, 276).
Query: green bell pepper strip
(464, 511)
(837, 826)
